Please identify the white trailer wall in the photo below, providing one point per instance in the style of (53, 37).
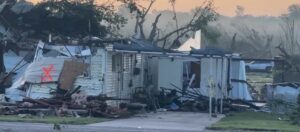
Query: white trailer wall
(94, 83)
(170, 71)
(239, 89)
(120, 81)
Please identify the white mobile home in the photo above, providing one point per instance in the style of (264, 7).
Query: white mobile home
(208, 71)
(113, 68)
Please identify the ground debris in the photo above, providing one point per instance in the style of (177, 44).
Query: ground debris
(74, 105)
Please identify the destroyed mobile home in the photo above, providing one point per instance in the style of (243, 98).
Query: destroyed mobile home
(108, 71)
(203, 76)
(108, 78)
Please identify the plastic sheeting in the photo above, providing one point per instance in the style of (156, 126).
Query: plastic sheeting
(239, 89)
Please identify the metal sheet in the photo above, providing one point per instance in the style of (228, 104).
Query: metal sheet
(40, 91)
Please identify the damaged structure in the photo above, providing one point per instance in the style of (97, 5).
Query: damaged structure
(129, 71)
(113, 69)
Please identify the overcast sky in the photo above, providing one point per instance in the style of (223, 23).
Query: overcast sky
(227, 7)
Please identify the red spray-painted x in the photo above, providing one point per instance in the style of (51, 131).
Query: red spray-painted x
(47, 77)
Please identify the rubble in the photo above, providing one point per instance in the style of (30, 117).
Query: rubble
(91, 106)
(110, 79)
(76, 80)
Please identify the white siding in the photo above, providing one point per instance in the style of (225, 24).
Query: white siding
(110, 80)
(170, 72)
(93, 85)
(117, 83)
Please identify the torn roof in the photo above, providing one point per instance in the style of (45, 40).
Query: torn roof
(50, 50)
(211, 52)
(122, 45)
(136, 45)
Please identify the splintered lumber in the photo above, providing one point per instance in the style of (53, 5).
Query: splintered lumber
(7, 104)
(70, 92)
(103, 98)
(37, 101)
(79, 111)
(98, 113)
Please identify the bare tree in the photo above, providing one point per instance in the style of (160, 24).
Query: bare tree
(240, 10)
(140, 13)
(260, 42)
(289, 34)
(294, 11)
(173, 3)
(201, 17)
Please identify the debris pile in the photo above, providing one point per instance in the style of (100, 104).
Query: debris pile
(70, 104)
(177, 100)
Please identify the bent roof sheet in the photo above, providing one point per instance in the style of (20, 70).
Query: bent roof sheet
(137, 45)
(210, 51)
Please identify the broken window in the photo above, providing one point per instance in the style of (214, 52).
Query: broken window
(196, 69)
(191, 75)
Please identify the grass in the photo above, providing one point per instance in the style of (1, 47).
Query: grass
(258, 80)
(255, 121)
(52, 119)
(259, 77)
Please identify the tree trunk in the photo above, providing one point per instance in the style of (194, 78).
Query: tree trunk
(154, 28)
(2, 66)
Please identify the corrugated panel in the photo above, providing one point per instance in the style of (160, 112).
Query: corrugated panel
(39, 91)
(46, 69)
(211, 72)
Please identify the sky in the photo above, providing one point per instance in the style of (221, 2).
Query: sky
(227, 7)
